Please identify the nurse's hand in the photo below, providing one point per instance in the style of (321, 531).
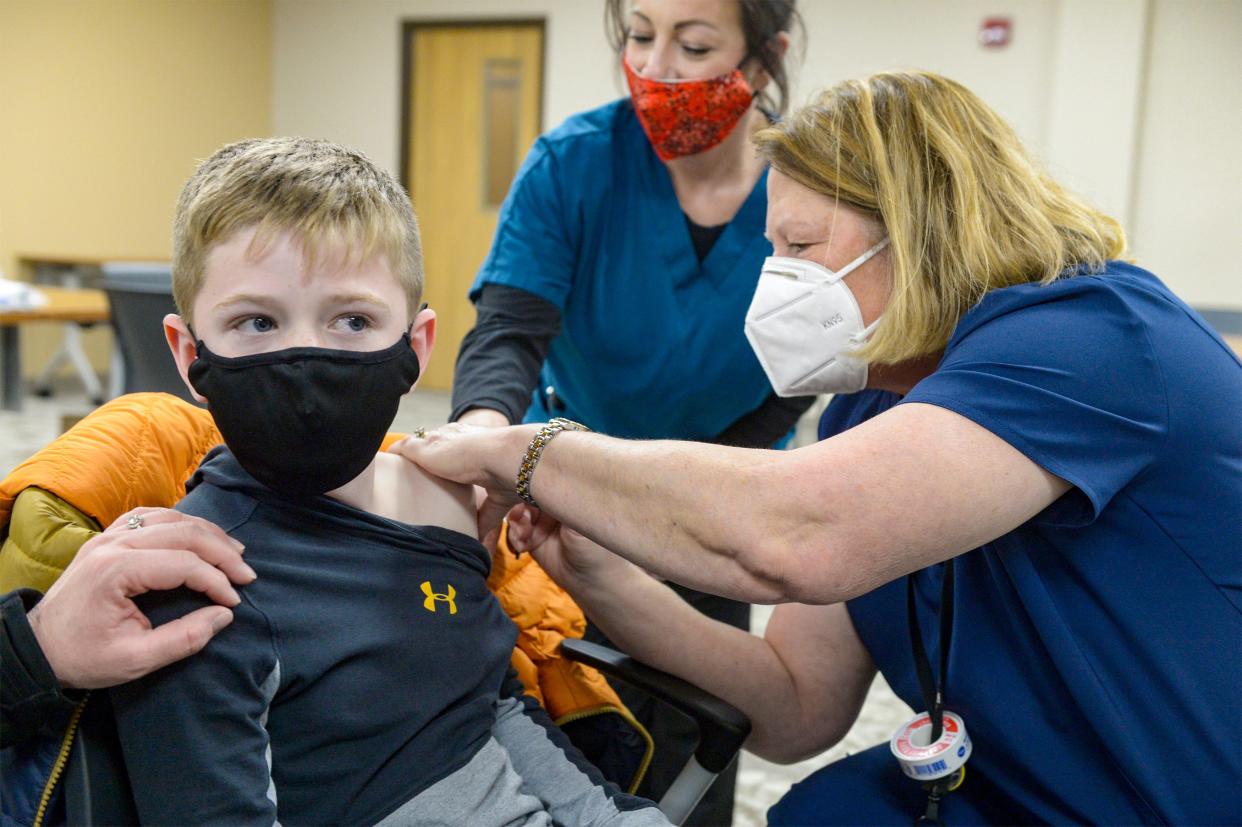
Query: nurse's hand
(486, 457)
(578, 564)
(529, 528)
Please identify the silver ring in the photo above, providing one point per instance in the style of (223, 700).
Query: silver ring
(134, 522)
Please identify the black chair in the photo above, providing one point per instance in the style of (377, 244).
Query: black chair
(722, 727)
(140, 295)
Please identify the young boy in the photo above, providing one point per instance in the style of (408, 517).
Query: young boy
(365, 677)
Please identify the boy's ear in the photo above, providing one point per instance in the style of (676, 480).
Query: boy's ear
(181, 343)
(423, 337)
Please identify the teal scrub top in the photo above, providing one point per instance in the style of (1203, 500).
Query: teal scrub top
(651, 344)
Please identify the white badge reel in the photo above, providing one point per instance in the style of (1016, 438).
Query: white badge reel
(925, 760)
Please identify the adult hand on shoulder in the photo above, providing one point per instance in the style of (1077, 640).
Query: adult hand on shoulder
(91, 632)
(474, 455)
(471, 454)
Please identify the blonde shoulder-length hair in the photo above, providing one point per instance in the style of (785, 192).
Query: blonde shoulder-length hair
(966, 208)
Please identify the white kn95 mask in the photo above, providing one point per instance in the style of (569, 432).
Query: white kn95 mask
(803, 323)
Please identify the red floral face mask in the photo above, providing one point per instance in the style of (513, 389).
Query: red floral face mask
(685, 117)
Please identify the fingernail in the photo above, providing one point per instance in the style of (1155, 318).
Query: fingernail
(221, 620)
(250, 571)
(235, 597)
(241, 547)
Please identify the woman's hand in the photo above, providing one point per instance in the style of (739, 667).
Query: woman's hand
(474, 455)
(471, 454)
(88, 627)
(575, 562)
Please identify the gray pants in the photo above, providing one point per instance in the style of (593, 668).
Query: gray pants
(520, 777)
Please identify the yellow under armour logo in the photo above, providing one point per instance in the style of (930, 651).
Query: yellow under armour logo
(448, 597)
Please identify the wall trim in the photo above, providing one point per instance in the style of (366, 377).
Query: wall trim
(1225, 322)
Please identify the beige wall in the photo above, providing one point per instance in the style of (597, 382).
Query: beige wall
(852, 39)
(1133, 102)
(337, 64)
(107, 104)
(1187, 220)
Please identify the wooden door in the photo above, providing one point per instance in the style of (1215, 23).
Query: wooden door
(473, 106)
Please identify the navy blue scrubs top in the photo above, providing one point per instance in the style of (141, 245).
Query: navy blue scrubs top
(1097, 650)
(651, 343)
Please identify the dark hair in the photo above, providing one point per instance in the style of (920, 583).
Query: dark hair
(761, 20)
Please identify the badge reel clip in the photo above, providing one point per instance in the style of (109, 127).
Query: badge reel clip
(933, 747)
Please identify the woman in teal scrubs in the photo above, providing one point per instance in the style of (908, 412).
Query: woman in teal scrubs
(621, 268)
(627, 253)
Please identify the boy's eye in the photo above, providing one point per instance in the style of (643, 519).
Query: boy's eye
(354, 323)
(256, 324)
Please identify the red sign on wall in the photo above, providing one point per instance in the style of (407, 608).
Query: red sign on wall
(996, 32)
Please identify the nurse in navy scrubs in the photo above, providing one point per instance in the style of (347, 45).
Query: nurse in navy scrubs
(626, 255)
(1024, 510)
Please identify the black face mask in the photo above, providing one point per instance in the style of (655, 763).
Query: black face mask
(305, 420)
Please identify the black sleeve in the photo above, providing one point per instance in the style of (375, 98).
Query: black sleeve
(500, 358)
(30, 694)
(193, 733)
(763, 426)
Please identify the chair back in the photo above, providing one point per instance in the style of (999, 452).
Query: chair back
(140, 295)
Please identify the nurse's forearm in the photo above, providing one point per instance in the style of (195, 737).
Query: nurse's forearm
(686, 511)
(755, 525)
(647, 620)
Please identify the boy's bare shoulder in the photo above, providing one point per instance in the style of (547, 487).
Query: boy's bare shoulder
(407, 493)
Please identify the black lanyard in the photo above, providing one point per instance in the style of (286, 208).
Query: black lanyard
(933, 691)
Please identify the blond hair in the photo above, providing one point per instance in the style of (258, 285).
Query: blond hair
(966, 208)
(329, 197)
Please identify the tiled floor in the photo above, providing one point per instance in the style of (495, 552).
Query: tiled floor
(760, 783)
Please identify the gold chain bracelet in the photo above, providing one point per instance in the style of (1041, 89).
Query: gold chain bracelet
(535, 450)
